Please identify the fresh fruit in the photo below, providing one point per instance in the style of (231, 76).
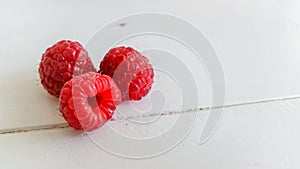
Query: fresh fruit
(61, 62)
(88, 101)
(131, 71)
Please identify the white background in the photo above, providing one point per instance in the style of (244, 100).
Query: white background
(258, 45)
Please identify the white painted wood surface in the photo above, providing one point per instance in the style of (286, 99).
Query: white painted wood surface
(258, 50)
(263, 136)
(258, 45)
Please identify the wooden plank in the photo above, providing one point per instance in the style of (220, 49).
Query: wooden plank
(261, 136)
(259, 54)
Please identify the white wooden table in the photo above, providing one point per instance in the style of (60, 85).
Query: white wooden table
(258, 46)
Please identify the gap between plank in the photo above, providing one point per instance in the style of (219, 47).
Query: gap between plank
(65, 125)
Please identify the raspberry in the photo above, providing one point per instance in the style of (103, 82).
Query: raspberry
(61, 62)
(131, 71)
(88, 101)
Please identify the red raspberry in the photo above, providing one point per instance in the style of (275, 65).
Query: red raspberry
(88, 101)
(131, 71)
(61, 62)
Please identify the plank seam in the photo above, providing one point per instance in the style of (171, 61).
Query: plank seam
(65, 125)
